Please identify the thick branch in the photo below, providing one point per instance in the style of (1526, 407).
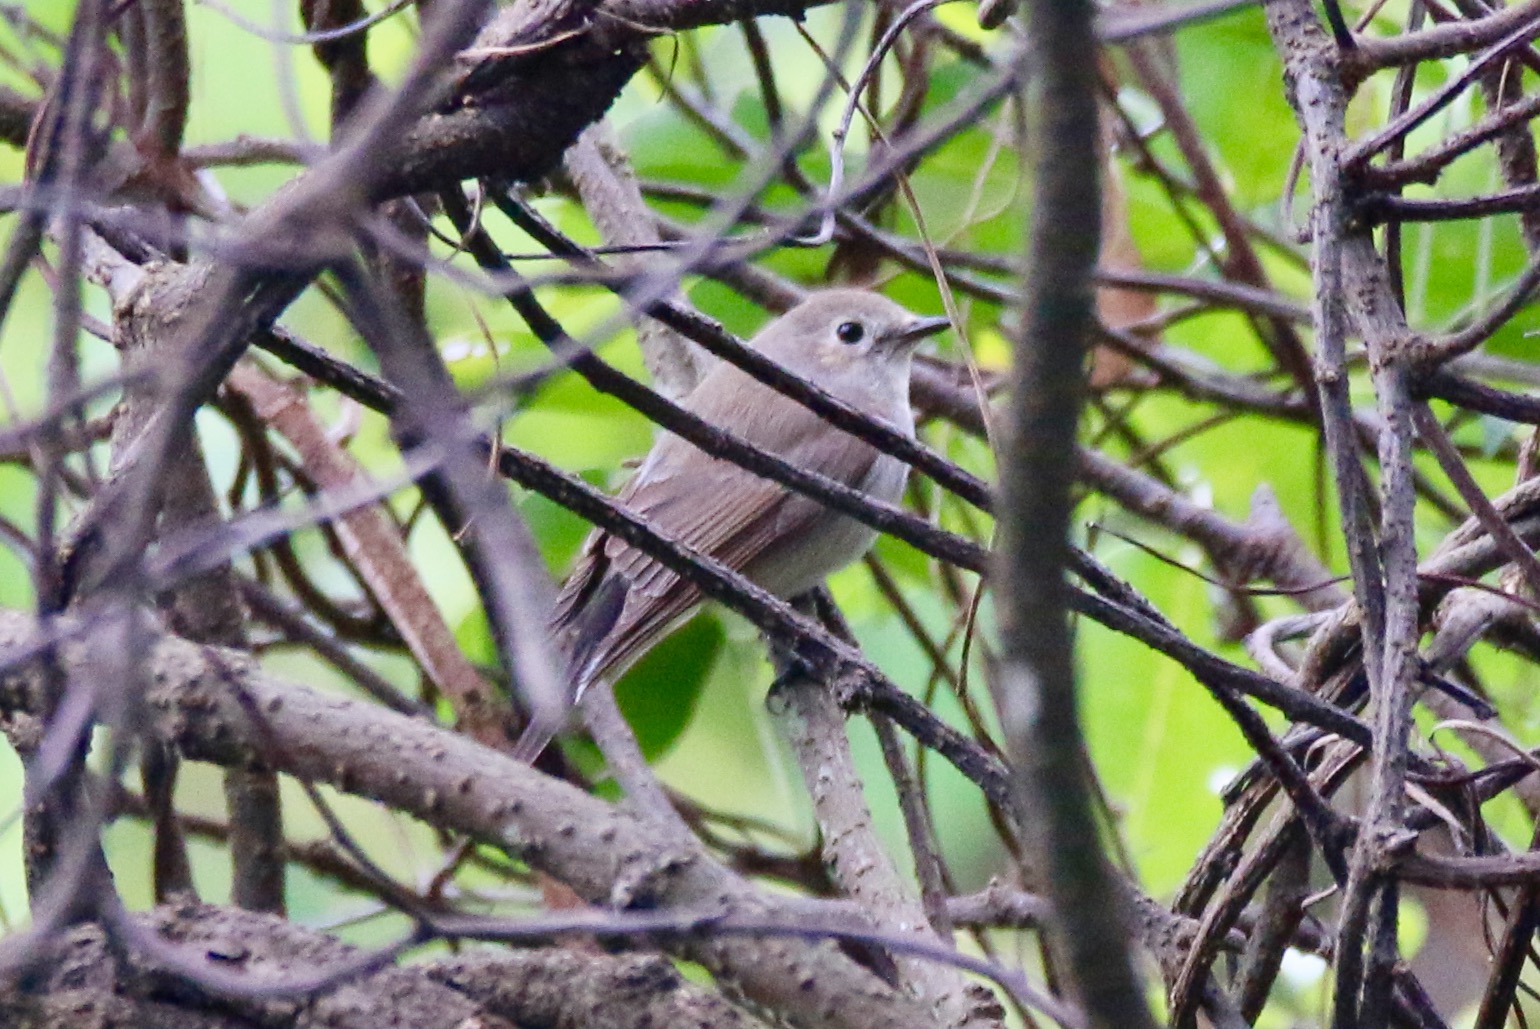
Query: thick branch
(207, 702)
(1035, 684)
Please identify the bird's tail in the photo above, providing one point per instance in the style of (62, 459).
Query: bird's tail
(537, 735)
(582, 634)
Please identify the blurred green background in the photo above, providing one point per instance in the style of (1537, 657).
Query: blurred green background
(1161, 747)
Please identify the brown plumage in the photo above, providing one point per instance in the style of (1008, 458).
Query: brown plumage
(857, 345)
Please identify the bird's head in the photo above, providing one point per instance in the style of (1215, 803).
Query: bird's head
(839, 329)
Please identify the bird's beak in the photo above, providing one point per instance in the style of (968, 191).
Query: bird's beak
(916, 330)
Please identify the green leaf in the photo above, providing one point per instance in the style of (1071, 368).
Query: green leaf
(658, 694)
(1494, 433)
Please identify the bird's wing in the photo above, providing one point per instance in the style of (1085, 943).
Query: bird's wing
(618, 599)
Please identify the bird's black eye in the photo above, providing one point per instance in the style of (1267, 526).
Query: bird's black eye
(850, 332)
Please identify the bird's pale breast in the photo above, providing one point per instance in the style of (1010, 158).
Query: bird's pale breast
(796, 565)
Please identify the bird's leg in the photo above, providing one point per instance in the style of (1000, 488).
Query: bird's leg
(784, 655)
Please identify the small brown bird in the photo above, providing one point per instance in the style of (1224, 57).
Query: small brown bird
(618, 602)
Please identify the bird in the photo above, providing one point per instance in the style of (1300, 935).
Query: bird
(618, 602)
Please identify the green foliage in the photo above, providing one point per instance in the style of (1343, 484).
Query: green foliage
(658, 695)
(1160, 745)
